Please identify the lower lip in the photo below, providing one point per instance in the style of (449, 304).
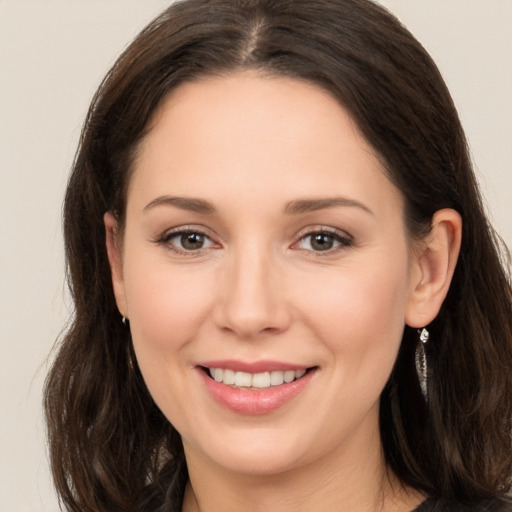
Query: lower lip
(255, 402)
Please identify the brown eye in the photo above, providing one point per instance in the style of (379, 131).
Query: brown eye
(192, 241)
(322, 241)
(186, 241)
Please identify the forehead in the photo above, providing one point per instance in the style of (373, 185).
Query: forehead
(257, 133)
(251, 107)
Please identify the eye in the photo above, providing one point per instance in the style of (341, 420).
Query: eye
(190, 241)
(323, 241)
(186, 241)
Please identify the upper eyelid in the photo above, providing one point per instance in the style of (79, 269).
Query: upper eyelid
(344, 239)
(169, 233)
(164, 239)
(309, 230)
(210, 234)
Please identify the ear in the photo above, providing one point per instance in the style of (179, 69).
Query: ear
(434, 260)
(116, 262)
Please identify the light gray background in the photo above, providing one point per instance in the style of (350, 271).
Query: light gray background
(53, 54)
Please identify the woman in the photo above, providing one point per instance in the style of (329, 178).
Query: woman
(287, 293)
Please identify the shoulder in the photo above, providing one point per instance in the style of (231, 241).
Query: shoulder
(443, 505)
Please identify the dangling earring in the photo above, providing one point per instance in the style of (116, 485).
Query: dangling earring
(126, 323)
(421, 361)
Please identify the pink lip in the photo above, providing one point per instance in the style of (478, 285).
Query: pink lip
(254, 402)
(252, 367)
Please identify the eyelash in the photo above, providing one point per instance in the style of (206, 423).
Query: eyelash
(165, 240)
(342, 239)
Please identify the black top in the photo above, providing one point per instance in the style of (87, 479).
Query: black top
(429, 505)
(441, 505)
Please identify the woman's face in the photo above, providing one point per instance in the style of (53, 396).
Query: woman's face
(262, 241)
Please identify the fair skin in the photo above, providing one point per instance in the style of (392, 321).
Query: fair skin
(262, 234)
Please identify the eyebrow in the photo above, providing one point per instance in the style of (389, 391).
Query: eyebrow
(295, 207)
(311, 205)
(185, 203)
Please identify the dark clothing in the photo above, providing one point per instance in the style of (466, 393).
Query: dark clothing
(441, 505)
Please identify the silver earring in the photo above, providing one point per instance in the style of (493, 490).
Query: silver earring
(421, 361)
(125, 321)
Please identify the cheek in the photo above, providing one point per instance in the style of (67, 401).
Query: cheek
(166, 307)
(359, 310)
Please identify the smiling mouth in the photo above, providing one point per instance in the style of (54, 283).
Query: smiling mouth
(254, 381)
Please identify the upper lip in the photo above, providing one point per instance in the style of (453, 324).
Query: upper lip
(253, 366)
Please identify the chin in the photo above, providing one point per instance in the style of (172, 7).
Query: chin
(260, 453)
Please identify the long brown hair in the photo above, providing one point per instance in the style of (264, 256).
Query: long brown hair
(110, 446)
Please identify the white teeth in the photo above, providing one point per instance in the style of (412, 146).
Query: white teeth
(229, 377)
(261, 380)
(243, 379)
(289, 376)
(276, 378)
(300, 373)
(255, 380)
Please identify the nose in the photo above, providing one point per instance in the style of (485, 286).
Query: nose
(252, 296)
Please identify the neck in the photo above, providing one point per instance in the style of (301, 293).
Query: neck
(341, 480)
